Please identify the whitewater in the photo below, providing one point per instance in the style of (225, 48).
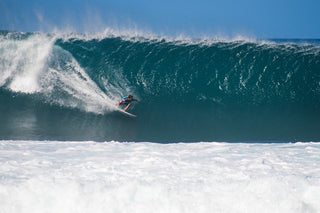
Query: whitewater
(55, 176)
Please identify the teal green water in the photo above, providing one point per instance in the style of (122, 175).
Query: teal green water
(65, 88)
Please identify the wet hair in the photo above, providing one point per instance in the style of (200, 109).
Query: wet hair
(130, 96)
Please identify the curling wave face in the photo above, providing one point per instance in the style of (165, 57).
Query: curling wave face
(66, 87)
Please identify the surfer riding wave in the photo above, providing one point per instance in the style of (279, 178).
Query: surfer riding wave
(126, 102)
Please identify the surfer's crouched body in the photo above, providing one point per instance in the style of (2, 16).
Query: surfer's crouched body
(126, 101)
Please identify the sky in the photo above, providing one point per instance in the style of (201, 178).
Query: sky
(194, 18)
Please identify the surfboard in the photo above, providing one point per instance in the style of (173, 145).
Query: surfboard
(127, 113)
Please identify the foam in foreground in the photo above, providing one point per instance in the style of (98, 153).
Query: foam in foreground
(96, 177)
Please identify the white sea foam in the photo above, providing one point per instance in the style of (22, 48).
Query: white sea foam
(95, 177)
(23, 61)
(35, 65)
(67, 76)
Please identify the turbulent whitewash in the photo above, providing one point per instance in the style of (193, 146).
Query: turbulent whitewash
(51, 176)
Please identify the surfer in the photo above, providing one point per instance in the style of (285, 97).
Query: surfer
(126, 101)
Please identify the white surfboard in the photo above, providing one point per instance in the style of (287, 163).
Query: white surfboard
(127, 113)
